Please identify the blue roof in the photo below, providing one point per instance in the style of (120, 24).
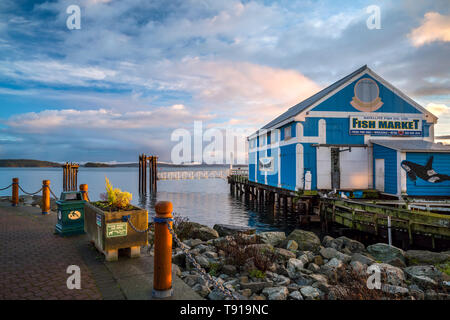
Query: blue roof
(311, 100)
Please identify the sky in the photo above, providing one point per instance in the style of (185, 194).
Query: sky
(138, 70)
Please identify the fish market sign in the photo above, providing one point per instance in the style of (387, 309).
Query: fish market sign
(386, 126)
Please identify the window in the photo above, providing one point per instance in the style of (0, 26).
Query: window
(287, 133)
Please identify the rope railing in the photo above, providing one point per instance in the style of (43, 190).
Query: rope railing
(30, 193)
(1, 189)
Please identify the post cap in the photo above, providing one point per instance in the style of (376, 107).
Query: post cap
(46, 182)
(163, 208)
(15, 179)
(83, 187)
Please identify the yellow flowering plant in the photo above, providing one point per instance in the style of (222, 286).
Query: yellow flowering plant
(116, 198)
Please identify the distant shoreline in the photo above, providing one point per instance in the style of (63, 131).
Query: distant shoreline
(29, 163)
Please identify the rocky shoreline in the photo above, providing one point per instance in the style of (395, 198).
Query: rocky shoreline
(273, 266)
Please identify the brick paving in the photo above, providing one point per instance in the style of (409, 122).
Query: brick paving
(33, 261)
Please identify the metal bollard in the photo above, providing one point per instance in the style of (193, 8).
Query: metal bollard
(15, 192)
(162, 276)
(84, 192)
(45, 196)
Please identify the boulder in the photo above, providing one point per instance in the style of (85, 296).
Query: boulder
(229, 269)
(422, 257)
(362, 259)
(256, 287)
(202, 261)
(306, 240)
(276, 293)
(274, 238)
(388, 288)
(192, 243)
(295, 295)
(313, 267)
(232, 230)
(310, 293)
(262, 247)
(394, 275)
(416, 292)
(358, 267)
(202, 290)
(343, 244)
(318, 260)
(428, 271)
(216, 295)
(204, 233)
(284, 254)
(330, 253)
(294, 265)
(246, 293)
(282, 281)
(386, 253)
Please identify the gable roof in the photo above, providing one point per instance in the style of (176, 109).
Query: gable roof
(308, 102)
(328, 91)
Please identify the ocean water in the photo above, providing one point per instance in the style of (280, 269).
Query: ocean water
(206, 201)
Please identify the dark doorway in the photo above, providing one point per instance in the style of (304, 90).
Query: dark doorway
(335, 172)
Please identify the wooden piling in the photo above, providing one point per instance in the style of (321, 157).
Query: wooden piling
(84, 192)
(15, 192)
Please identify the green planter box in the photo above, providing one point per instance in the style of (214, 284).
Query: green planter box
(109, 233)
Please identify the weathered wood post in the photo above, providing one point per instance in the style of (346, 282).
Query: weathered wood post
(84, 192)
(162, 277)
(45, 196)
(15, 192)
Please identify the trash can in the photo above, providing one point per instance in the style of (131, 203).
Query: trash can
(70, 213)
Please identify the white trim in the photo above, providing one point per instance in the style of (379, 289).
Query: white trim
(347, 114)
(299, 166)
(279, 167)
(399, 178)
(403, 189)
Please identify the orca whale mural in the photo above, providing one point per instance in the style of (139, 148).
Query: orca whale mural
(426, 172)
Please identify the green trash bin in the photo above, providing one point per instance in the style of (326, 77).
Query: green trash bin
(70, 213)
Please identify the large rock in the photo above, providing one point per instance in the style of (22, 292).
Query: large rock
(422, 257)
(193, 230)
(306, 240)
(343, 244)
(394, 275)
(310, 293)
(231, 230)
(295, 295)
(424, 271)
(216, 295)
(386, 253)
(284, 254)
(330, 253)
(274, 238)
(295, 265)
(256, 287)
(276, 293)
(362, 259)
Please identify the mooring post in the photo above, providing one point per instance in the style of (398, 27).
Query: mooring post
(389, 230)
(15, 192)
(162, 276)
(45, 196)
(84, 192)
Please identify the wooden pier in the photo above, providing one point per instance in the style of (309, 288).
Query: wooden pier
(410, 226)
(70, 176)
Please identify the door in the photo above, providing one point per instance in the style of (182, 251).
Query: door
(335, 169)
(379, 174)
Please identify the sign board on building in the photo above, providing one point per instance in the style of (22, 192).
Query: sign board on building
(266, 164)
(386, 126)
(116, 229)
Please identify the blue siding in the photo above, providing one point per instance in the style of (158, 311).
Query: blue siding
(340, 101)
(426, 128)
(390, 167)
(288, 171)
(441, 164)
(310, 163)
(272, 177)
(292, 126)
(251, 166)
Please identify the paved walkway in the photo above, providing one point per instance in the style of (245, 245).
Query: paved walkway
(34, 261)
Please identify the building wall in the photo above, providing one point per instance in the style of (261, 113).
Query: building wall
(390, 168)
(441, 164)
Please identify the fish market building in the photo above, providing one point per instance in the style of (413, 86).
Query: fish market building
(359, 133)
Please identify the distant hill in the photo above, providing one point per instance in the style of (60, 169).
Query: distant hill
(24, 163)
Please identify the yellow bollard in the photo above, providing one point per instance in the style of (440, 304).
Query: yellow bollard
(45, 196)
(84, 192)
(162, 276)
(15, 192)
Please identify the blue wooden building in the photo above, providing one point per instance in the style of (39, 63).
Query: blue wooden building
(359, 133)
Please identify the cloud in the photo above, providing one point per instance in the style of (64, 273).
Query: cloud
(435, 27)
(438, 108)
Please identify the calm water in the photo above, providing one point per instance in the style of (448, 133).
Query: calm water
(205, 201)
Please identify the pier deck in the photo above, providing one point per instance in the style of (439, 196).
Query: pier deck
(34, 261)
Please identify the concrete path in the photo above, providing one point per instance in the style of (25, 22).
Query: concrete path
(34, 261)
